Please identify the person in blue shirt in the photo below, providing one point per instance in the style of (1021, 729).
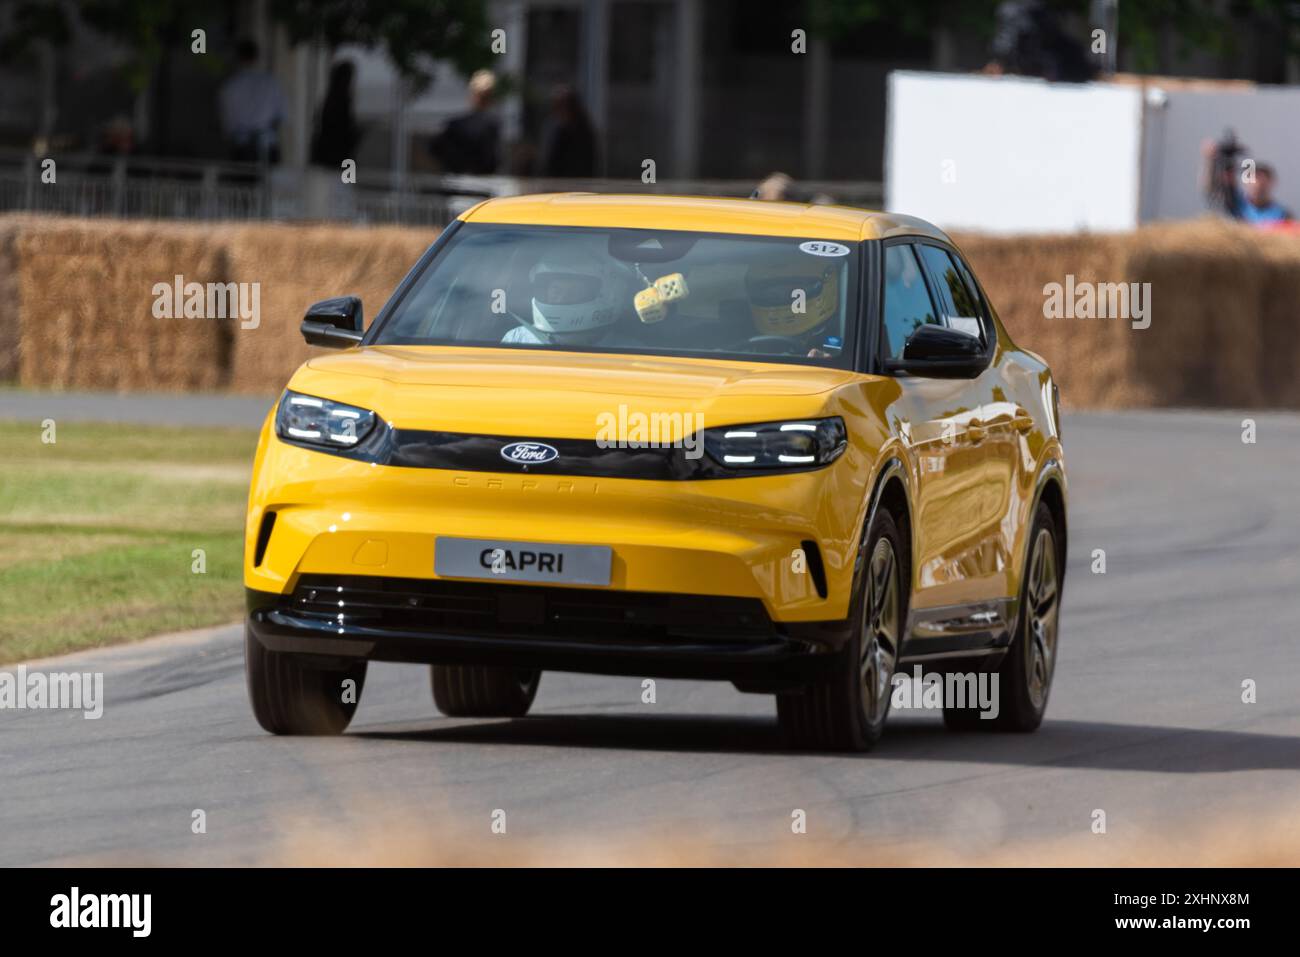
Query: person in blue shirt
(1222, 180)
(1256, 204)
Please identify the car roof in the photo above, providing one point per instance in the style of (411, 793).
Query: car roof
(699, 214)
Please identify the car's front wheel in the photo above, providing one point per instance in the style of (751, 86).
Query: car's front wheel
(846, 710)
(291, 695)
(479, 691)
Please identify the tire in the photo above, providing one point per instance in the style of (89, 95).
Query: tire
(290, 696)
(846, 710)
(1025, 676)
(478, 691)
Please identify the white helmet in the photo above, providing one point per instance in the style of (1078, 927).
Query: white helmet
(576, 290)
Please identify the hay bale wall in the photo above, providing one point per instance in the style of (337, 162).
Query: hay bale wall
(8, 299)
(1224, 305)
(298, 265)
(76, 301)
(85, 317)
(1089, 357)
(78, 298)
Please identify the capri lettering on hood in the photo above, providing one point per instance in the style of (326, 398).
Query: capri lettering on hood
(211, 300)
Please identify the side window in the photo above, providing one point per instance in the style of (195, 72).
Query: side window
(943, 276)
(959, 297)
(972, 303)
(907, 304)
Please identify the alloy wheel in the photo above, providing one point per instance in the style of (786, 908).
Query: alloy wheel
(880, 633)
(1041, 594)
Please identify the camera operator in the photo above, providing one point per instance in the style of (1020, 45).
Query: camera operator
(1252, 202)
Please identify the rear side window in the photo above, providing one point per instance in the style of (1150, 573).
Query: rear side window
(958, 296)
(907, 304)
(974, 301)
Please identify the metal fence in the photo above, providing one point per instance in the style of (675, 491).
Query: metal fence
(89, 185)
(93, 185)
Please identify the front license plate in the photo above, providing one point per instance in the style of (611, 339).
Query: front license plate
(497, 560)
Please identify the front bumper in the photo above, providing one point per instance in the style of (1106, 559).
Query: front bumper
(787, 541)
(548, 628)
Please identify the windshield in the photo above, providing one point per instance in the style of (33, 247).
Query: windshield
(646, 292)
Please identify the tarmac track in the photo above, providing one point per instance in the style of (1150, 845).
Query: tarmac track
(1201, 592)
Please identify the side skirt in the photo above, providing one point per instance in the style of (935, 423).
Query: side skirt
(961, 637)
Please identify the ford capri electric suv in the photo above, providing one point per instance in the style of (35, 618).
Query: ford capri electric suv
(787, 446)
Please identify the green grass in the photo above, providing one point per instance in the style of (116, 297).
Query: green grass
(98, 530)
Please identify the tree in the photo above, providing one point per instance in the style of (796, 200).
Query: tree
(409, 30)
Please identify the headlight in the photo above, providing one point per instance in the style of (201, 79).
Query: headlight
(806, 444)
(313, 421)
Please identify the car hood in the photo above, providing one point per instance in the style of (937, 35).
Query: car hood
(560, 394)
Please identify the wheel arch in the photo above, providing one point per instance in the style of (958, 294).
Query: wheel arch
(890, 490)
(1049, 489)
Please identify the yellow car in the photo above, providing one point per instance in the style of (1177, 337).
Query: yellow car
(782, 445)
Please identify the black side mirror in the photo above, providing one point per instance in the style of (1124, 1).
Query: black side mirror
(941, 353)
(334, 323)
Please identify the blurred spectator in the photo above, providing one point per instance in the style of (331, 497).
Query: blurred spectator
(469, 142)
(117, 137)
(1259, 206)
(1252, 201)
(775, 187)
(1219, 174)
(337, 132)
(1028, 41)
(569, 148)
(521, 158)
(779, 187)
(252, 109)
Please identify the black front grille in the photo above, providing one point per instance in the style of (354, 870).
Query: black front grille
(488, 608)
(467, 452)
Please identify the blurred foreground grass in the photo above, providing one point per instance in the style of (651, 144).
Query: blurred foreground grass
(98, 530)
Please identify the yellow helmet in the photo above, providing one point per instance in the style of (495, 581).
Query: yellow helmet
(776, 306)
